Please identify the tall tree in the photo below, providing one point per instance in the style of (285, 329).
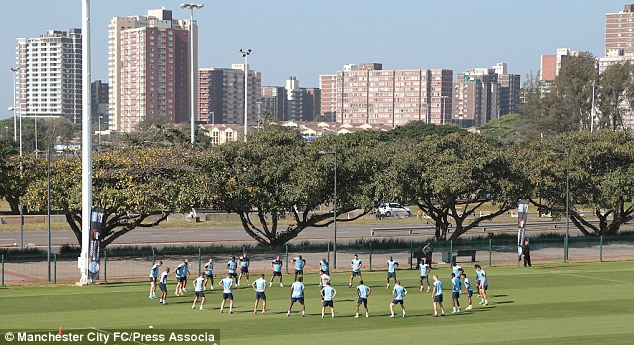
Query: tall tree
(614, 85)
(573, 88)
(136, 186)
(600, 167)
(277, 175)
(450, 178)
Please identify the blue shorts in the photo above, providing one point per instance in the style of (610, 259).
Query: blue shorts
(356, 273)
(227, 295)
(362, 300)
(424, 278)
(244, 270)
(277, 274)
(180, 279)
(200, 294)
(209, 274)
(260, 294)
(455, 295)
(469, 293)
(233, 275)
(299, 272)
(328, 304)
(297, 299)
(162, 286)
(326, 272)
(397, 301)
(438, 298)
(391, 275)
(152, 279)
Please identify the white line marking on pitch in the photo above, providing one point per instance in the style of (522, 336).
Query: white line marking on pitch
(580, 276)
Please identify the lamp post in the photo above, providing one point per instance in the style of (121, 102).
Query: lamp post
(442, 111)
(192, 77)
(334, 205)
(20, 204)
(245, 55)
(15, 121)
(567, 154)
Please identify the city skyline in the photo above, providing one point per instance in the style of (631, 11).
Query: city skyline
(310, 39)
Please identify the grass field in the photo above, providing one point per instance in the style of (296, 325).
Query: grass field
(560, 304)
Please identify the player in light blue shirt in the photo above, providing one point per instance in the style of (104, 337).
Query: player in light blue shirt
(398, 292)
(456, 269)
(277, 270)
(325, 266)
(244, 266)
(154, 278)
(299, 266)
(232, 266)
(259, 285)
(391, 271)
(209, 273)
(468, 288)
(179, 274)
(297, 295)
(456, 284)
(185, 272)
(424, 275)
(363, 292)
(437, 296)
(328, 293)
(483, 284)
(356, 266)
(198, 289)
(227, 292)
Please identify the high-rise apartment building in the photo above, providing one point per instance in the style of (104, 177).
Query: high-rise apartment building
(619, 31)
(274, 100)
(221, 94)
(149, 69)
(366, 93)
(49, 76)
(483, 94)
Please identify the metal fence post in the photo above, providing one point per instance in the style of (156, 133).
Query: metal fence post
(565, 249)
(328, 253)
(450, 251)
(370, 256)
(55, 267)
(411, 254)
(199, 262)
(3, 270)
(490, 250)
(153, 257)
(601, 248)
(105, 264)
(287, 259)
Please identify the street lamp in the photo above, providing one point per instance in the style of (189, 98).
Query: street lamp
(245, 55)
(334, 204)
(191, 62)
(21, 167)
(567, 154)
(15, 121)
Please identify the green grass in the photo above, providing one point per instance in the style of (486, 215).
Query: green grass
(560, 304)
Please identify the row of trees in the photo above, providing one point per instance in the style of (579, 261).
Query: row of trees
(276, 182)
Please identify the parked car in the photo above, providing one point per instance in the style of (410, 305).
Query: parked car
(392, 209)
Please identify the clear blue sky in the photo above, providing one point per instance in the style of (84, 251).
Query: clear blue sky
(306, 38)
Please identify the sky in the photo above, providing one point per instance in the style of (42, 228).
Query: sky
(307, 38)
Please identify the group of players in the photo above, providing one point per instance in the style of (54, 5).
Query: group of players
(233, 279)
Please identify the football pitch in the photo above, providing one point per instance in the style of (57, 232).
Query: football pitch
(557, 304)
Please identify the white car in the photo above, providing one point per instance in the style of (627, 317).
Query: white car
(392, 209)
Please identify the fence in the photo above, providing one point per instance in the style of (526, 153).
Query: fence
(20, 268)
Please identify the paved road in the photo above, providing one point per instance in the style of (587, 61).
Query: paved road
(236, 235)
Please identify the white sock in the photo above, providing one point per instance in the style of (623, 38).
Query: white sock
(333, 315)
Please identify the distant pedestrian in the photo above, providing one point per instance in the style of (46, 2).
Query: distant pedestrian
(526, 251)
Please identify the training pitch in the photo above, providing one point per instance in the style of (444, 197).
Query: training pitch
(558, 304)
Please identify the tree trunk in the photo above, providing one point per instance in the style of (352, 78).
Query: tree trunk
(14, 203)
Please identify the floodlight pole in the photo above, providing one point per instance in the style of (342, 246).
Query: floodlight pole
(86, 147)
(245, 55)
(192, 84)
